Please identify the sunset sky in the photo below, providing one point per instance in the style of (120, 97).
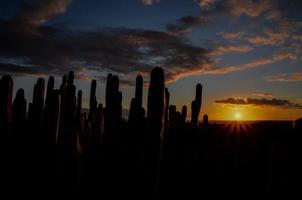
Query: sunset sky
(245, 53)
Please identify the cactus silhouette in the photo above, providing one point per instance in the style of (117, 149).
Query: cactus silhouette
(61, 147)
(156, 102)
(167, 102)
(139, 91)
(37, 106)
(6, 95)
(205, 120)
(113, 110)
(196, 105)
(50, 88)
(155, 126)
(19, 108)
(136, 111)
(92, 102)
(184, 114)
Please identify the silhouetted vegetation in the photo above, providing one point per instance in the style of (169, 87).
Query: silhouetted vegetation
(53, 147)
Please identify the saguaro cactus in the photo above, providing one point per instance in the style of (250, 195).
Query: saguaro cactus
(183, 114)
(205, 121)
(167, 102)
(196, 105)
(6, 94)
(113, 110)
(37, 107)
(156, 101)
(52, 116)
(50, 87)
(155, 125)
(92, 102)
(19, 108)
(136, 112)
(139, 91)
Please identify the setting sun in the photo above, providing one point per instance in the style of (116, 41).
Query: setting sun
(237, 116)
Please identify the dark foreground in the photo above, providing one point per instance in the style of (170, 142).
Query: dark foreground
(50, 148)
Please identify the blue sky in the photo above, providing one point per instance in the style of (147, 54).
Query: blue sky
(236, 49)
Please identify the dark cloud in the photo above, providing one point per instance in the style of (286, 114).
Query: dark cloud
(40, 13)
(185, 24)
(269, 95)
(125, 52)
(261, 102)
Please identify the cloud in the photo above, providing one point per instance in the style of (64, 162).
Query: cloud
(149, 2)
(265, 95)
(30, 46)
(250, 8)
(279, 56)
(261, 102)
(231, 48)
(297, 76)
(42, 12)
(231, 36)
(206, 4)
(125, 52)
(270, 38)
(185, 24)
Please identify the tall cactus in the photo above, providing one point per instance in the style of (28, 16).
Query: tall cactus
(92, 102)
(205, 121)
(19, 108)
(156, 101)
(136, 113)
(6, 94)
(139, 91)
(183, 114)
(196, 105)
(155, 128)
(167, 102)
(52, 116)
(50, 87)
(113, 110)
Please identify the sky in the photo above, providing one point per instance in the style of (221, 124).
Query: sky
(245, 53)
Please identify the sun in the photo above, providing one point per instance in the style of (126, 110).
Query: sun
(237, 116)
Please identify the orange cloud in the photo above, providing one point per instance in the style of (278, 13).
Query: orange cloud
(297, 76)
(260, 102)
(279, 56)
(231, 36)
(232, 48)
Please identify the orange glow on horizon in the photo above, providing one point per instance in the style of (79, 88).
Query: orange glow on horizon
(251, 113)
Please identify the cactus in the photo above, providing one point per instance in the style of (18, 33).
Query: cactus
(113, 110)
(183, 114)
(156, 102)
(172, 116)
(139, 91)
(167, 102)
(205, 120)
(50, 87)
(52, 116)
(92, 102)
(196, 105)
(19, 108)
(79, 104)
(99, 118)
(155, 128)
(6, 94)
(36, 109)
(136, 112)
